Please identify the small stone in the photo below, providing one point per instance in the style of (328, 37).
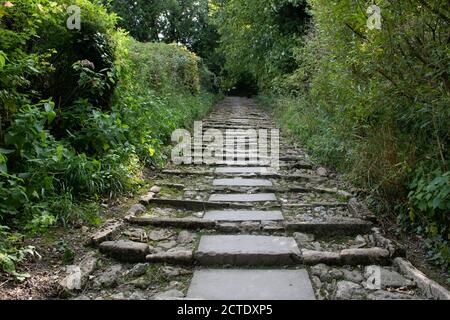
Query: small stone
(118, 296)
(155, 189)
(136, 209)
(185, 237)
(316, 281)
(228, 227)
(388, 278)
(158, 235)
(335, 273)
(386, 295)
(167, 244)
(353, 276)
(84, 229)
(107, 232)
(145, 199)
(319, 269)
(347, 290)
(141, 283)
(138, 270)
(137, 296)
(321, 171)
(173, 272)
(199, 214)
(138, 235)
(250, 226)
(169, 295)
(127, 251)
(78, 275)
(303, 237)
(108, 278)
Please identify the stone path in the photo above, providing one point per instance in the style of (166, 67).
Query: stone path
(246, 231)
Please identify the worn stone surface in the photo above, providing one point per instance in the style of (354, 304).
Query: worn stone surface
(138, 270)
(255, 197)
(127, 251)
(386, 295)
(365, 256)
(240, 182)
(171, 294)
(247, 250)
(155, 189)
(347, 290)
(251, 285)
(228, 227)
(136, 209)
(303, 237)
(177, 256)
(107, 232)
(77, 275)
(145, 199)
(323, 223)
(108, 277)
(174, 222)
(242, 170)
(311, 257)
(185, 237)
(243, 215)
(158, 235)
(389, 278)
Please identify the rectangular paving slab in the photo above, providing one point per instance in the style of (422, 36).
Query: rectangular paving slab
(244, 197)
(240, 182)
(247, 250)
(251, 285)
(242, 170)
(243, 215)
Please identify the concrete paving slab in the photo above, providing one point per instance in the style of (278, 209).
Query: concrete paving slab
(254, 197)
(247, 250)
(243, 215)
(240, 182)
(219, 284)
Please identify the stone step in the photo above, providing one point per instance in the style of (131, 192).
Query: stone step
(196, 204)
(247, 250)
(251, 285)
(243, 215)
(240, 182)
(333, 227)
(244, 197)
(227, 170)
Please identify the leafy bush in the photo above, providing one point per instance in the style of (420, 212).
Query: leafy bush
(81, 114)
(429, 205)
(11, 253)
(373, 103)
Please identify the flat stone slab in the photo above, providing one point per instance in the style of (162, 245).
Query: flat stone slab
(243, 215)
(247, 250)
(242, 170)
(255, 197)
(240, 182)
(251, 285)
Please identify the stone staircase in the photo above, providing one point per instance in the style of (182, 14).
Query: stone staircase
(247, 232)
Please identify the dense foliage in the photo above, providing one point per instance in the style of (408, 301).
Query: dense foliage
(371, 103)
(81, 112)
